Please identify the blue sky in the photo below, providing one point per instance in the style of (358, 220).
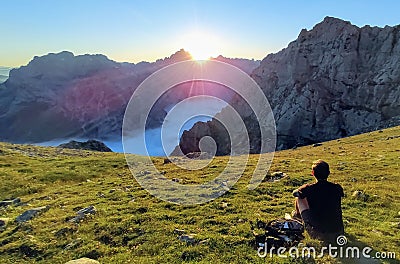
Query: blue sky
(129, 30)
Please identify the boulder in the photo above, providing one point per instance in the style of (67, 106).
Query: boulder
(83, 213)
(88, 210)
(14, 201)
(189, 239)
(93, 145)
(275, 176)
(83, 261)
(31, 213)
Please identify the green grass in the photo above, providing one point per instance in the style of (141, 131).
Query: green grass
(132, 226)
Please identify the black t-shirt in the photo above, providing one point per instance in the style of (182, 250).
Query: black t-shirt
(324, 199)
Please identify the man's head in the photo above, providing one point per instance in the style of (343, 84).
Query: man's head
(320, 170)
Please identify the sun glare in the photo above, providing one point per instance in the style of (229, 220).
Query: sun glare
(200, 45)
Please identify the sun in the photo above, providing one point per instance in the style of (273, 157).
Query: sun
(200, 45)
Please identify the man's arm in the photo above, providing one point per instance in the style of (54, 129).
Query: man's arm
(341, 192)
(301, 192)
(296, 193)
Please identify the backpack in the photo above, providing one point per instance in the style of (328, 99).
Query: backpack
(278, 233)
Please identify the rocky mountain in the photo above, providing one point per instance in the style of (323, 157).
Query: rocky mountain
(334, 80)
(65, 96)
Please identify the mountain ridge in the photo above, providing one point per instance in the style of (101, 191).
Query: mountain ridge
(66, 96)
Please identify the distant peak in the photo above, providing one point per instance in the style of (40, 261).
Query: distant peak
(330, 27)
(65, 52)
(180, 55)
(329, 21)
(219, 57)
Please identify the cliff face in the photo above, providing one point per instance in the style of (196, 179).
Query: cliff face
(62, 95)
(333, 81)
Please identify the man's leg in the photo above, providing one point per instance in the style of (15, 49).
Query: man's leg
(304, 210)
(301, 205)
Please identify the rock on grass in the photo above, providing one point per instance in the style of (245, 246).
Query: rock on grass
(81, 214)
(31, 213)
(6, 203)
(83, 261)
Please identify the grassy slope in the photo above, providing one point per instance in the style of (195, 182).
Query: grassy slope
(131, 226)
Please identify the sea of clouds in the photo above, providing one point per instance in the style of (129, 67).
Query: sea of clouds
(155, 144)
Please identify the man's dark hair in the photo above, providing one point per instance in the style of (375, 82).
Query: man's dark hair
(321, 169)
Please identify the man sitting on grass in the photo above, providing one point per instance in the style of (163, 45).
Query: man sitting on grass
(319, 204)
